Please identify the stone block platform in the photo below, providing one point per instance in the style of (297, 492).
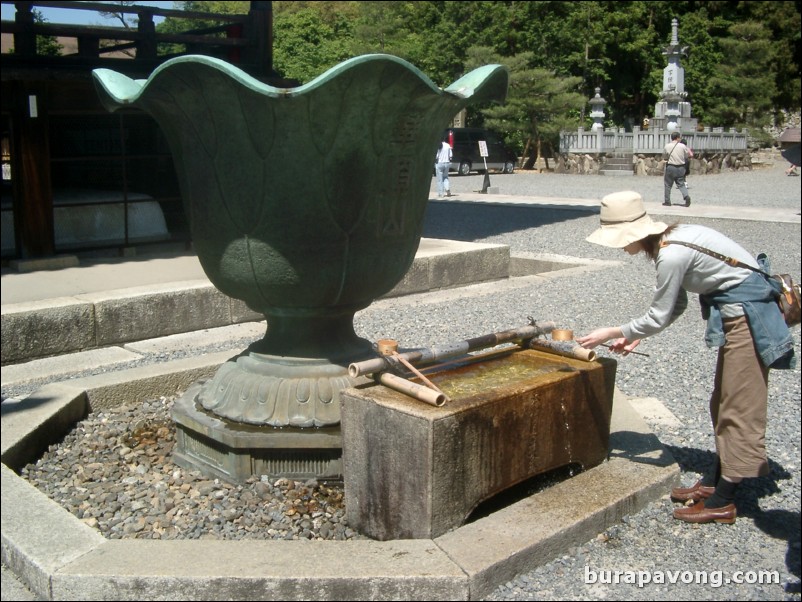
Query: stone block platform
(415, 471)
(112, 303)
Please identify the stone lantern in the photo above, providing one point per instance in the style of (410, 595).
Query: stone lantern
(597, 111)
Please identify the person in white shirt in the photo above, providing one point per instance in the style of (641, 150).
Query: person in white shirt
(676, 155)
(443, 162)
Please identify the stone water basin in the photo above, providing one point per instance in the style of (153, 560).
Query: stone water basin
(414, 470)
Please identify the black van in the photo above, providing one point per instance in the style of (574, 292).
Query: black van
(466, 155)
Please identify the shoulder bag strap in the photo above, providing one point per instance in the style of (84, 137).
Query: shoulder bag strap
(671, 152)
(728, 260)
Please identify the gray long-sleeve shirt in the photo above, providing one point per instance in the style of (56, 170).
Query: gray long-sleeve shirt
(680, 269)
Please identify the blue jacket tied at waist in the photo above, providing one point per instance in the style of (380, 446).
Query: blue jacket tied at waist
(758, 296)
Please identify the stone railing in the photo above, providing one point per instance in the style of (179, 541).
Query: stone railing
(650, 142)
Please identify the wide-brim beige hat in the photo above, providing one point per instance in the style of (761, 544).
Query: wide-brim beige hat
(624, 220)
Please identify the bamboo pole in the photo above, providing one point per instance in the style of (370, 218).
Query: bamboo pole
(417, 373)
(450, 350)
(563, 348)
(419, 392)
(470, 359)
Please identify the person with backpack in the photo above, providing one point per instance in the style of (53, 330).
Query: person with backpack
(676, 155)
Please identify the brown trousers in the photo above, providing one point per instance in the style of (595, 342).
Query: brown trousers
(739, 403)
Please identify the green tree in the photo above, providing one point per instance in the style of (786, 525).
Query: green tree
(45, 45)
(616, 46)
(433, 36)
(634, 48)
(743, 86)
(380, 27)
(221, 7)
(304, 45)
(783, 20)
(308, 37)
(180, 25)
(539, 103)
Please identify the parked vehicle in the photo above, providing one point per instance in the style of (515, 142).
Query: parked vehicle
(466, 155)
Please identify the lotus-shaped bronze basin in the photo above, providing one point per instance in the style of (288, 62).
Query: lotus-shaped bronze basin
(307, 203)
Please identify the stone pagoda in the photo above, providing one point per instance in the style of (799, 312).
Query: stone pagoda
(673, 111)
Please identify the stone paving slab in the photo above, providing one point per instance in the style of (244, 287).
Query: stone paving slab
(262, 570)
(62, 365)
(39, 537)
(209, 336)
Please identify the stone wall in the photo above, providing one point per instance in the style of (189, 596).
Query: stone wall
(654, 165)
(577, 164)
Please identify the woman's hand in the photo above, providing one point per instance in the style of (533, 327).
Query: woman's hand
(623, 346)
(599, 336)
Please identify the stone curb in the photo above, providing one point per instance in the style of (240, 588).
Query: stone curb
(59, 557)
(95, 320)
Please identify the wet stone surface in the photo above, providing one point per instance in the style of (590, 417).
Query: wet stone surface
(115, 473)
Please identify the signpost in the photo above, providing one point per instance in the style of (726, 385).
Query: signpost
(483, 152)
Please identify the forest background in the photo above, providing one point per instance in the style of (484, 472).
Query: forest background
(742, 68)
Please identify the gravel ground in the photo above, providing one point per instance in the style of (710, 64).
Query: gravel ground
(766, 185)
(766, 536)
(114, 472)
(679, 372)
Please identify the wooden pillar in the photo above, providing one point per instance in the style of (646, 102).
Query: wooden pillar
(33, 194)
(88, 47)
(146, 46)
(259, 31)
(25, 40)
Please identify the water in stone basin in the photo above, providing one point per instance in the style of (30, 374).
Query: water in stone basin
(474, 378)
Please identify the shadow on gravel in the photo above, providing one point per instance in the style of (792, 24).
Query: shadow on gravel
(750, 491)
(784, 524)
(776, 523)
(472, 221)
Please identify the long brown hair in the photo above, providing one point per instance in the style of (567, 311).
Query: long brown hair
(651, 244)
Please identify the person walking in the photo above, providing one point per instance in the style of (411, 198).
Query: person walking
(442, 165)
(676, 155)
(791, 155)
(743, 322)
(687, 163)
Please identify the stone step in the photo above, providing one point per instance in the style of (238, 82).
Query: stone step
(618, 164)
(158, 308)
